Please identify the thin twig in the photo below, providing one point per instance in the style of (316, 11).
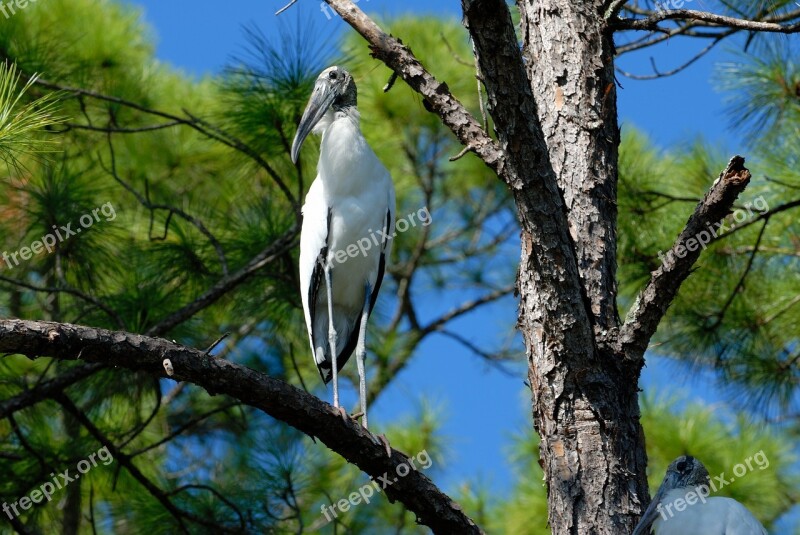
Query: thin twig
(284, 8)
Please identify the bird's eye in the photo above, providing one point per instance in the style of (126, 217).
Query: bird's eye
(332, 75)
(681, 466)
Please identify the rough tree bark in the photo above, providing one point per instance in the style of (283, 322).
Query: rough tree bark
(585, 404)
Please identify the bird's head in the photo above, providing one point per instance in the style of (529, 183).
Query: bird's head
(335, 89)
(685, 472)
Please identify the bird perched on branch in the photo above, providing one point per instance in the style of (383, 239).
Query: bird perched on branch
(348, 226)
(682, 506)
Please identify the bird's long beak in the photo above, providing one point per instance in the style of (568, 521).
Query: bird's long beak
(321, 99)
(652, 512)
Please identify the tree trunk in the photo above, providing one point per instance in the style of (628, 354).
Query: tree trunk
(585, 400)
(556, 120)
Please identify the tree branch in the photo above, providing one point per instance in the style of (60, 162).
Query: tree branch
(276, 398)
(651, 304)
(125, 460)
(703, 18)
(275, 250)
(47, 389)
(214, 133)
(438, 98)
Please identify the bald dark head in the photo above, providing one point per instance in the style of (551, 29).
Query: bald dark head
(686, 471)
(334, 89)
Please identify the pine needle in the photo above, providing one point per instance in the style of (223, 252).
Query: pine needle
(20, 122)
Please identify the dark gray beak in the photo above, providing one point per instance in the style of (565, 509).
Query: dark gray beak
(651, 514)
(321, 99)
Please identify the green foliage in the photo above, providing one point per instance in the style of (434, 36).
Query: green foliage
(769, 486)
(763, 90)
(21, 122)
(736, 313)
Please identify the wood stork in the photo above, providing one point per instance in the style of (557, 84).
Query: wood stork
(682, 506)
(348, 226)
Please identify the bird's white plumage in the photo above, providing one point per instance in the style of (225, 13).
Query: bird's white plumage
(357, 189)
(717, 516)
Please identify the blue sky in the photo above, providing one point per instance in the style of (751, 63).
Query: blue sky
(489, 403)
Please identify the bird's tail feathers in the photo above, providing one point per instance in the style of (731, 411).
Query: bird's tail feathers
(346, 340)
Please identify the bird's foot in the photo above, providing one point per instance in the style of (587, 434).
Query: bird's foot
(363, 416)
(343, 413)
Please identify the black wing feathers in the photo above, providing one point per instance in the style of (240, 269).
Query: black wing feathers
(317, 278)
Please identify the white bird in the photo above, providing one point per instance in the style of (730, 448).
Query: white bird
(348, 226)
(682, 506)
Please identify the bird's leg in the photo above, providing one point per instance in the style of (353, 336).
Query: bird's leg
(332, 335)
(361, 353)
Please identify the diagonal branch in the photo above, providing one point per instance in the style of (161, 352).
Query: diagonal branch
(145, 201)
(47, 389)
(651, 304)
(281, 401)
(465, 308)
(274, 251)
(438, 98)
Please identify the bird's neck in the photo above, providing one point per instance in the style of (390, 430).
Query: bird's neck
(337, 114)
(347, 165)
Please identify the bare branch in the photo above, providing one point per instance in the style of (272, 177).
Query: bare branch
(704, 18)
(287, 6)
(467, 307)
(118, 130)
(145, 201)
(184, 427)
(613, 7)
(657, 74)
(275, 250)
(651, 305)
